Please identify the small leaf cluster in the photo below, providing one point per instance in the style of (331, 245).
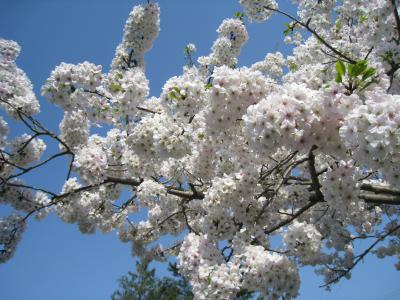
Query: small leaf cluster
(177, 94)
(289, 28)
(359, 75)
(239, 15)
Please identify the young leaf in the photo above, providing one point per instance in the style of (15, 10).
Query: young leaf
(289, 29)
(172, 95)
(368, 73)
(115, 87)
(293, 67)
(340, 68)
(359, 68)
(338, 26)
(338, 78)
(367, 85)
(239, 15)
(186, 50)
(350, 68)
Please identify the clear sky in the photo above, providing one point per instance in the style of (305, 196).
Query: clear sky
(54, 261)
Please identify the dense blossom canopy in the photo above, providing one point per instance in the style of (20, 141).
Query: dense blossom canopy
(256, 171)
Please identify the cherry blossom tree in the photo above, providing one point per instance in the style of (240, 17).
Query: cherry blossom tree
(256, 171)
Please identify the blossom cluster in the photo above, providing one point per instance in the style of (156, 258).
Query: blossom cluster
(11, 229)
(297, 118)
(232, 35)
(23, 199)
(254, 171)
(90, 209)
(257, 10)
(233, 91)
(272, 65)
(67, 83)
(140, 30)
(128, 89)
(91, 163)
(210, 277)
(15, 87)
(304, 239)
(271, 273)
(26, 149)
(371, 132)
(74, 128)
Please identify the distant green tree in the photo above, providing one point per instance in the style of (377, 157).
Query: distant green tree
(144, 285)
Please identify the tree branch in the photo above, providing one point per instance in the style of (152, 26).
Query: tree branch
(397, 18)
(307, 26)
(360, 257)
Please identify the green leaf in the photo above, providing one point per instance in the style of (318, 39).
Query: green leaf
(338, 78)
(368, 73)
(178, 90)
(350, 68)
(293, 67)
(208, 86)
(359, 68)
(119, 76)
(340, 68)
(172, 95)
(388, 56)
(239, 15)
(116, 87)
(338, 26)
(363, 18)
(289, 29)
(367, 85)
(186, 50)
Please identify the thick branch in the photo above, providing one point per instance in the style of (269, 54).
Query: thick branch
(380, 199)
(379, 189)
(396, 16)
(314, 176)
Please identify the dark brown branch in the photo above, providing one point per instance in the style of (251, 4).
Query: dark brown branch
(22, 115)
(29, 140)
(109, 98)
(380, 199)
(30, 188)
(6, 161)
(147, 110)
(360, 257)
(278, 165)
(26, 170)
(314, 176)
(307, 26)
(368, 53)
(70, 165)
(379, 189)
(397, 18)
(187, 222)
(330, 55)
(289, 220)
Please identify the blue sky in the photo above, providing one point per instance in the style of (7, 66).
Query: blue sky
(54, 260)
